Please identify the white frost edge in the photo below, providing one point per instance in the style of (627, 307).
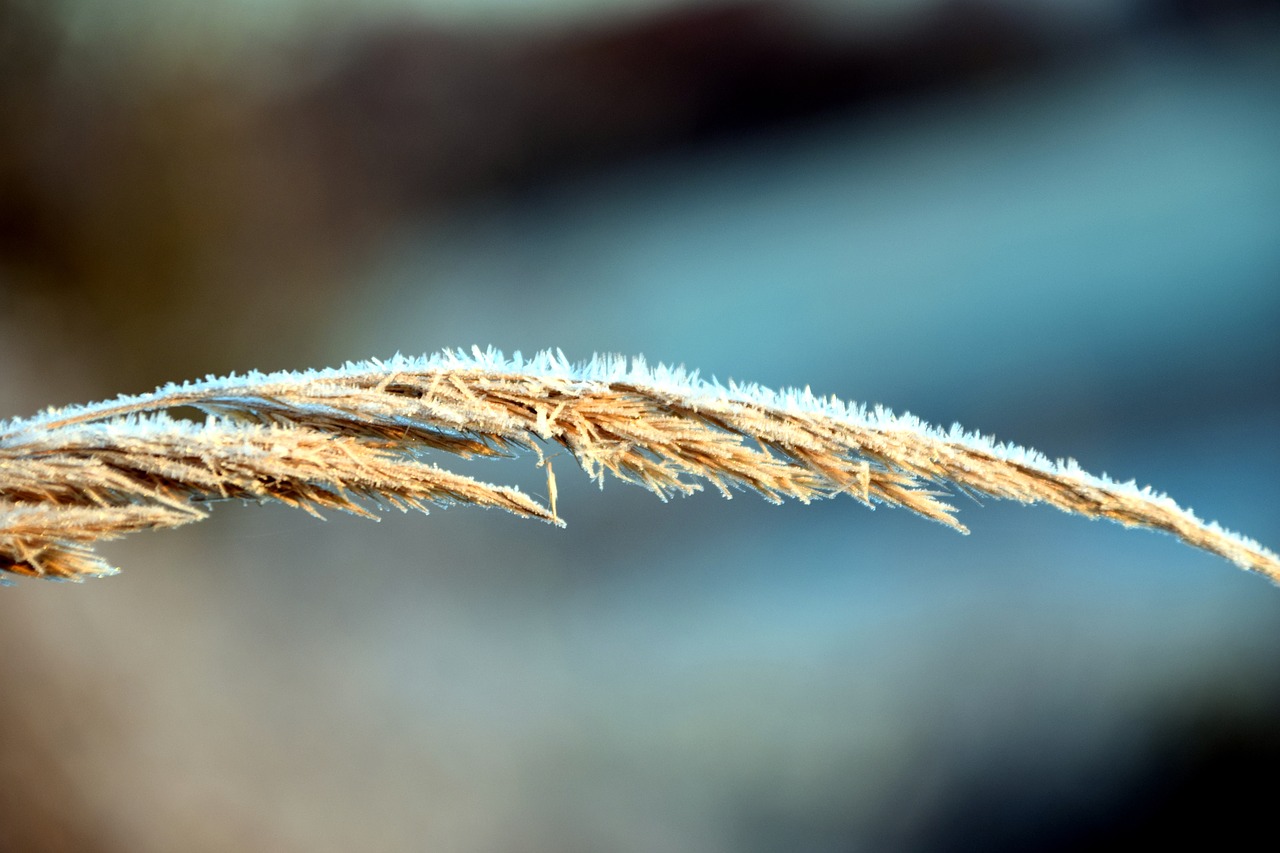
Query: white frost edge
(674, 380)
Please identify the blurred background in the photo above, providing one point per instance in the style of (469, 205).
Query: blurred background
(1054, 220)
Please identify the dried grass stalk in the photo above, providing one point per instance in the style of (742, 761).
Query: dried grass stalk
(346, 437)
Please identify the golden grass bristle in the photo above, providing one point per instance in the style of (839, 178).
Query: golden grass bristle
(346, 437)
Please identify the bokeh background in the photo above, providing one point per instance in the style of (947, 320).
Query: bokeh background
(1055, 221)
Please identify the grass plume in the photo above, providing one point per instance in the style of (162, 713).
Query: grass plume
(353, 437)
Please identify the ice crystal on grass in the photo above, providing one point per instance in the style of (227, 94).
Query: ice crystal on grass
(354, 436)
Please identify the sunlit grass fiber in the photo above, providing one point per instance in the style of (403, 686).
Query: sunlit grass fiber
(357, 436)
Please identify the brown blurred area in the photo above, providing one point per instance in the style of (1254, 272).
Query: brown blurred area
(162, 220)
(192, 220)
(42, 806)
